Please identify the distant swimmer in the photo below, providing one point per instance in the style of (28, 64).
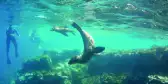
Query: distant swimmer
(11, 37)
(34, 37)
(89, 47)
(62, 30)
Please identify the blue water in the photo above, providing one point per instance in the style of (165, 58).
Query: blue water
(43, 15)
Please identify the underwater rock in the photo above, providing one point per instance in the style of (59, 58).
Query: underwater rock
(117, 67)
(105, 78)
(151, 79)
(38, 63)
(91, 80)
(135, 79)
(157, 79)
(112, 78)
(39, 77)
(78, 72)
(74, 73)
(58, 57)
(145, 62)
(38, 70)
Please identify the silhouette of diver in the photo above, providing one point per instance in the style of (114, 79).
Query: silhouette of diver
(11, 33)
(34, 37)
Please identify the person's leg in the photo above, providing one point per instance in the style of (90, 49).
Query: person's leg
(7, 50)
(16, 46)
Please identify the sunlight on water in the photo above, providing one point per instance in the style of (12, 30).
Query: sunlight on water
(116, 40)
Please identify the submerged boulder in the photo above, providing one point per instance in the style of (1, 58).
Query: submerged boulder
(148, 61)
(158, 79)
(38, 70)
(105, 78)
(39, 78)
(58, 57)
(123, 67)
(37, 64)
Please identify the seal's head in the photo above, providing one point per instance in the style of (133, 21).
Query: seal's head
(10, 27)
(52, 29)
(73, 60)
(55, 28)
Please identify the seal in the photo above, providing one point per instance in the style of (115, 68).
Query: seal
(89, 48)
(62, 30)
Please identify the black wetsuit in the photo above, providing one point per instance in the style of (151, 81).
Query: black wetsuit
(11, 38)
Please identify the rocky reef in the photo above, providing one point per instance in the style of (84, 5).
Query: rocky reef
(120, 67)
(38, 70)
(149, 61)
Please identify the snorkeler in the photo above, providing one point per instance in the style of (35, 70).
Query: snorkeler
(11, 34)
(34, 37)
(89, 48)
(63, 31)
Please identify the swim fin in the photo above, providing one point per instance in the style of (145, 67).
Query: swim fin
(8, 61)
(16, 54)
(98, 49)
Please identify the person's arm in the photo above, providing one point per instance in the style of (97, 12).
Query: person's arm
(17, 32)
(6, 31)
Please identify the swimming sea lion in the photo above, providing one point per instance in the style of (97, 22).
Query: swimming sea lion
(63, 31)
(89, 47)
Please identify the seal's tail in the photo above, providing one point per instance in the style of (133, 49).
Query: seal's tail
(98, 49)
(73, 32)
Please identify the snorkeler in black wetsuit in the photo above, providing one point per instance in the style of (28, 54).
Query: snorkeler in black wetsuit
(11, 34)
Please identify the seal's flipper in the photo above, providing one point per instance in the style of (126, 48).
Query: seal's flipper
(73, 33)
(82, 33)
(16, 54)
(76, 26)
(98, 49)
(65, 34)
